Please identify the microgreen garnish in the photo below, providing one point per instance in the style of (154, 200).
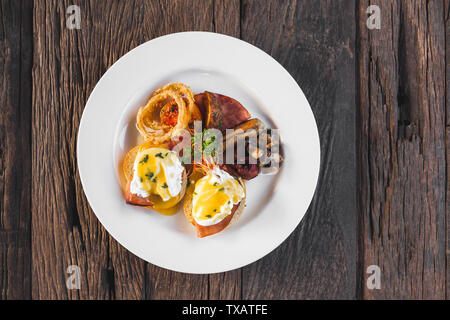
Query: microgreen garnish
(145, 159)
(208, 141)
(198, 145)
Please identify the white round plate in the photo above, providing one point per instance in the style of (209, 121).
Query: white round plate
(217, 63)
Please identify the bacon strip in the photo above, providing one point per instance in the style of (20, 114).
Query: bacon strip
(204, 231)
(134, 199)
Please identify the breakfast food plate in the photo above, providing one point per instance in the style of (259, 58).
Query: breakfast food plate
(174, 209)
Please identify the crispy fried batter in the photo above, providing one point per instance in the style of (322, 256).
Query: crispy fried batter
(148, 122)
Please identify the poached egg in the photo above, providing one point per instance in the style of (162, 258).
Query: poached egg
(157, 171)
(214, 196)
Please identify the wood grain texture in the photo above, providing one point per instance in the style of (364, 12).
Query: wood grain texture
(15, 161)
(314, 41)
(68, 64)
(64, 230)
(402, 149)
(447, 138)
(381, 101)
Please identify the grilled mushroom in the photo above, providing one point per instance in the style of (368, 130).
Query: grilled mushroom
(266, 158)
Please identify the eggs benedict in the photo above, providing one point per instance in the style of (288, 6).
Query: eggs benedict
(156, 178)
(214, 198)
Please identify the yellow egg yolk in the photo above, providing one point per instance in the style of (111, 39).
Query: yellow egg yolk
(214, 197)
(157, 171)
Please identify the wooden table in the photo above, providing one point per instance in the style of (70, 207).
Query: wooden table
(380, 98)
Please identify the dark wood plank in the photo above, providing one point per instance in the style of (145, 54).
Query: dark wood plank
(64, 229)
(68, 65)
(226, 285)
(227, 16)
(314, 41)
(15, 148)
(447, 139)
(402, 149)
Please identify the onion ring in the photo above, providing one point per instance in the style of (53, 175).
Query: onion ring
(148, 122)
(181, 89)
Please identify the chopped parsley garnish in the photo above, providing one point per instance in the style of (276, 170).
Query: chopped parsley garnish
(159, 155)
(200, 146)
(149, 175)
(208, 216)
(142, 180)
(165, 186)
(215, 184)
(215, 210)
(208, 141)
(222, 189)
(145, 159)
(154, 180)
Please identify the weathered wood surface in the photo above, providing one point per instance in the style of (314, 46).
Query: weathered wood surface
(402, 149)
(68, 64)
(447, 138)
(380, 98)
(15, 149)
(314, 41)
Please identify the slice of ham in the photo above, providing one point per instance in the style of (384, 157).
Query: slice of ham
(233, 112)
(204, 231)
(200, 101)
(134, 199)
(246, 171)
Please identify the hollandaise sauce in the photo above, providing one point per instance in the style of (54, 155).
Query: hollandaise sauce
(158, 175)
(214, 197)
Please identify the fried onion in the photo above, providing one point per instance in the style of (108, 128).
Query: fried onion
(148, 121)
